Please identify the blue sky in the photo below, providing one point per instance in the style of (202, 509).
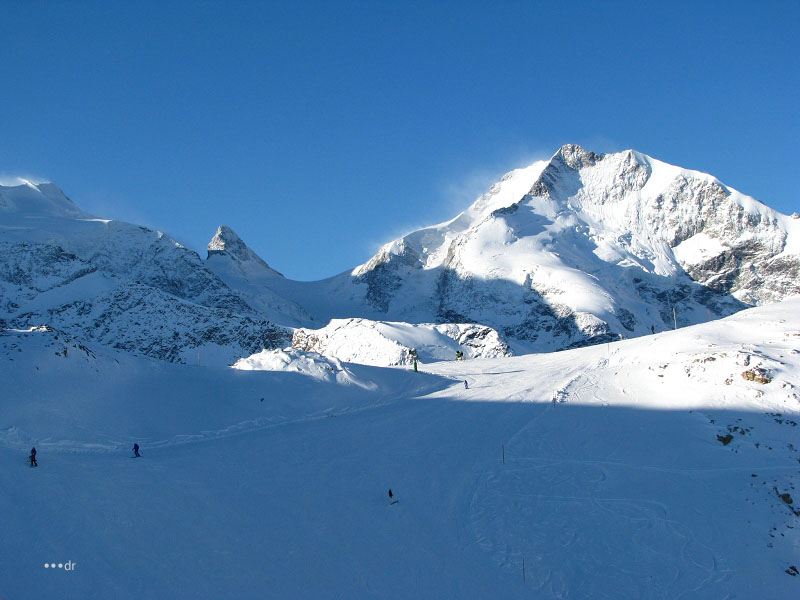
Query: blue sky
(319, 130)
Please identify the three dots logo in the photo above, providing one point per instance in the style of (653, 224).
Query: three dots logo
(67, 566)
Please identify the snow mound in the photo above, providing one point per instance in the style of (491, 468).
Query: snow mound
(311, 364)
(382, 343)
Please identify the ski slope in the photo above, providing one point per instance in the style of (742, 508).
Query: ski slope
(599, 467)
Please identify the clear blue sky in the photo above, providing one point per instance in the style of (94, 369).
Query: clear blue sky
(319, 130)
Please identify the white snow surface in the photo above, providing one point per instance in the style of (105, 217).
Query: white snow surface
(37, 200)
(698, 248)
(386, 344)
(310, 364)
(600, 468)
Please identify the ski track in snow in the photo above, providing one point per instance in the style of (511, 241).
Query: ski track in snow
(13, 438)
(656, 535)
(646, 517)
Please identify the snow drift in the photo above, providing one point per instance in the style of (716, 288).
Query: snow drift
(389, 344)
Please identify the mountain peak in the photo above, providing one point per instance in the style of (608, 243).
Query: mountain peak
(576, 157)
(226, 242)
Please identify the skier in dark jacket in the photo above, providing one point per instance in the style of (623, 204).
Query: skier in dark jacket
(136, 450)
(33, 457)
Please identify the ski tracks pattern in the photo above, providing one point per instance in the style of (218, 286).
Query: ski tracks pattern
(629, 545)
(15, 439)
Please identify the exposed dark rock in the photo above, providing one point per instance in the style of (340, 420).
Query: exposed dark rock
(758, 375)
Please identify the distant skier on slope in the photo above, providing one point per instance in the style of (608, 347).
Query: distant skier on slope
(466, 385)
(391, 498)
(136, 451)
(413, 354)
(33, 457)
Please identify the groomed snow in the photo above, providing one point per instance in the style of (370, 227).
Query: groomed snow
(601, 468)
(310, 364)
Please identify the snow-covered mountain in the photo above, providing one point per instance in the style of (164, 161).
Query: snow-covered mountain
(118, 284)
(579, 249)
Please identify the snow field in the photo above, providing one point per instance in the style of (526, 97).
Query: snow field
(615, 484)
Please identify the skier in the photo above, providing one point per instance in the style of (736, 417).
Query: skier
(136, 451)
(33, 457)
(652, 328)
(413, 354)
(391, 496)
(466, 385)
